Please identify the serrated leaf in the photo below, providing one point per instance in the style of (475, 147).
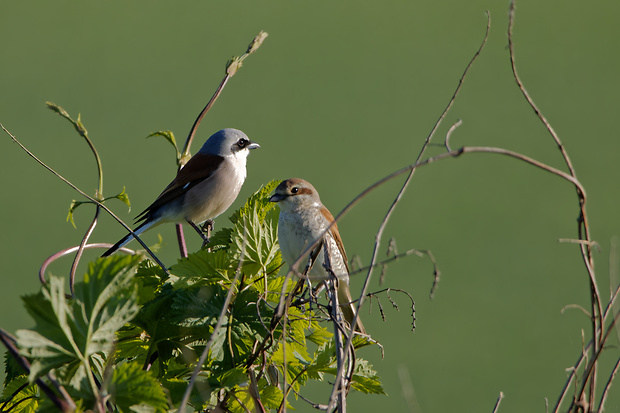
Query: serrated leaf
(132, 388)
(258, 201)
(16, 400)
(319, 335)
(203, 267)
(74, 331)
(12, 369)
(365, 378)
(51, 343)
(107, 299)
(254, 235)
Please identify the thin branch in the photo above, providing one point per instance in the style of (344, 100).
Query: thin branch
(409, 178)
(231, 68)
(499, 401)
(601, 405)
(71, 250)
(85, 195)
(395, 174)
(583, 226)
(449, 134)
(80, 250)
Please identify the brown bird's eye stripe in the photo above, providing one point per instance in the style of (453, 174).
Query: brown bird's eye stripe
(306, 191)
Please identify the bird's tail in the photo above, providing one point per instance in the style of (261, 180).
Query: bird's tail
(348, 308)
(121, 243)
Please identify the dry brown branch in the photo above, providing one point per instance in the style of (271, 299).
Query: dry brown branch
(612, 376)
(583, 226)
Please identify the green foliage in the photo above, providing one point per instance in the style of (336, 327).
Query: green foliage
(132, 333)
(19, 396)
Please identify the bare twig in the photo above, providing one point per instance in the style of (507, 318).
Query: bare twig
(410, 176)
(79, 127)
(583, 226)
(71, 250)
(85, 195)
(231, 68)
(499, 401)
(601, 405)
(449, 134)
(393, 175)
(80, 250)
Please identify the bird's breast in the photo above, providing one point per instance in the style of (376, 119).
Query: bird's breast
(214, 195)
(297, 230)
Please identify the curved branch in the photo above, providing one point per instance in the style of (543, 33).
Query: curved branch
(85, 195)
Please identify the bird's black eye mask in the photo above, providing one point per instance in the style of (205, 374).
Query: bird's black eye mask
(241, 144)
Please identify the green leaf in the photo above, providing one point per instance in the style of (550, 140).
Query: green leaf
(254, 236)
(74, 205)
(259, 201)
(365, 379)
(73, 331)
(169, 136)
(16, 400)
(12, 368)
(203, 267)
(318, 335)
(107, 300)
(150, 278)
(123, 197)
(51, 343)
(132, 389)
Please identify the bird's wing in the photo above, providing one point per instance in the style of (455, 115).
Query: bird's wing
(336, 235)
(199, 168)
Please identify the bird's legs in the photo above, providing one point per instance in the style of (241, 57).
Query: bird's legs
(204, 231)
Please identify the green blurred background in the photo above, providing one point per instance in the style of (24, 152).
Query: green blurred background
(341, 94)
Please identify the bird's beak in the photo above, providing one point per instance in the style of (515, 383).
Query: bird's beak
(253, 145)
(277, 198)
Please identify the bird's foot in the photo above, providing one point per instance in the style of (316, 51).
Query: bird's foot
(206, 229)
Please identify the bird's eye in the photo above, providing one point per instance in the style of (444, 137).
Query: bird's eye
(243, 142)
(294, 190)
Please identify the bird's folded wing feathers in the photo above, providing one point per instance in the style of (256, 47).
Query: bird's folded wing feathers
(336, 235)
(199, 168)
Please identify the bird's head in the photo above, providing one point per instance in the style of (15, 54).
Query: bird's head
(228, 142)
(296, 192)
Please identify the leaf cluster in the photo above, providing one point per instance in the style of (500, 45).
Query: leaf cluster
(130, 337)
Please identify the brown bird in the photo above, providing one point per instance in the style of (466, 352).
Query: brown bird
(303, 220)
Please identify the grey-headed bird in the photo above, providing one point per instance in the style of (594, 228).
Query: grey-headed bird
(203, 189)
(303, 220)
